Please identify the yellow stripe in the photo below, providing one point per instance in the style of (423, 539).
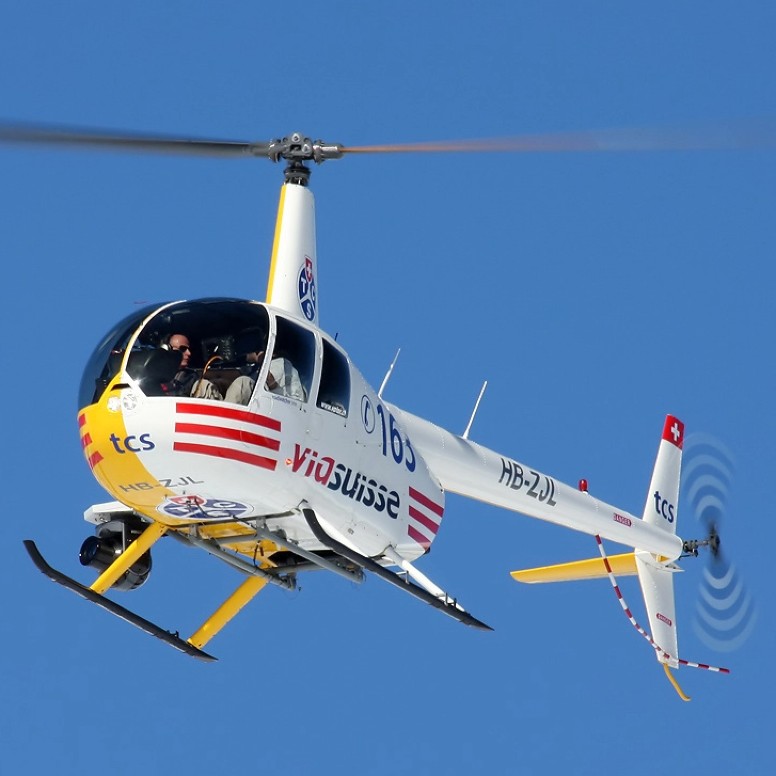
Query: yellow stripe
(276, 244)
(594, 568)
(122, 474)
(227, 610)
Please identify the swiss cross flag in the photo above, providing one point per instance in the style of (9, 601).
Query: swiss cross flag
(673, 431)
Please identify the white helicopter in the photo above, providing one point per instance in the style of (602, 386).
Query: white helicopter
(242, 428)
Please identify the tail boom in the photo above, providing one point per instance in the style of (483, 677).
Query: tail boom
(654, 567)
(468, 469)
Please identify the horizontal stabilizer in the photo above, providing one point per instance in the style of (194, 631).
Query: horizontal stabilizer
(593, 568)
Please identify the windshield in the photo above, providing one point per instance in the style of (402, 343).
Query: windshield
(187, 348)
(197, 348)
(106, 359)
(219, 349)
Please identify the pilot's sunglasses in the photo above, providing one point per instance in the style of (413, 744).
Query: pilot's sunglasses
(182, 347)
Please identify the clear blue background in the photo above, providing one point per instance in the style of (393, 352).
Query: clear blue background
(596, 293)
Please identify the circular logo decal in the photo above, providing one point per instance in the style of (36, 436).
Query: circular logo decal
(198, 508)
(307, 299)
(128, 401)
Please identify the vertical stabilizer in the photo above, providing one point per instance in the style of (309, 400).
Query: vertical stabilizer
(655, 576)
(663, 495)
(293, 275)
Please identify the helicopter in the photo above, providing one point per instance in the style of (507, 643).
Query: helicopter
(242, 428)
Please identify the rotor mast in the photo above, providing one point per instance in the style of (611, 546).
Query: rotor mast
(293, 275)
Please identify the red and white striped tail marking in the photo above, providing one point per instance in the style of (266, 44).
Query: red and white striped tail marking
(425, 517)
(226, 432)
(665, 657)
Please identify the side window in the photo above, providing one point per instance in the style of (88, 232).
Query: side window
(334, 390)
(293, 361)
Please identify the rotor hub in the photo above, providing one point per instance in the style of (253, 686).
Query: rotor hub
(712, 541)
(297, 149)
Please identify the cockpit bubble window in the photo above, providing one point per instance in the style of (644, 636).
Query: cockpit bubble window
(292, 364)
(105, 361)
(334, 389)
(210, 361)
(186, 349)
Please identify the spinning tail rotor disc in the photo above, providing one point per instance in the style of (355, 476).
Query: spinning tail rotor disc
(725, 613)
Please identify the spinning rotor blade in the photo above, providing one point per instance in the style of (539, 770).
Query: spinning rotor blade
(72, 137)
(725, 611)
(745, 135)
(741, 135)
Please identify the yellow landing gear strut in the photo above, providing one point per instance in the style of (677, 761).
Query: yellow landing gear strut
(255, 582)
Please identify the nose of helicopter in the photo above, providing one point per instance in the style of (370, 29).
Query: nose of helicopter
(114, 452)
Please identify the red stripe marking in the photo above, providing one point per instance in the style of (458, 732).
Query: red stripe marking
(421, 518)
(228, 433)
(86, 440)
(426, 501)
(81, 420)
(225, 452)
(418, 537)
(231, 414)
(94, 459)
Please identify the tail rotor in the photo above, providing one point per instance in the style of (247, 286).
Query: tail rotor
(725, 613)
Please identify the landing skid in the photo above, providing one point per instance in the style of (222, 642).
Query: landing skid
(446, 604)
(105, 603)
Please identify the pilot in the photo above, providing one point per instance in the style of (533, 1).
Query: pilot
(282, 377)
(187, 381)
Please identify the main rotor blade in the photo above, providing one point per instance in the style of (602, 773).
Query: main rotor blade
(741, 135)
(72, 137)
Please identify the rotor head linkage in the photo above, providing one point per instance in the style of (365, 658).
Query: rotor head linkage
(297, 149)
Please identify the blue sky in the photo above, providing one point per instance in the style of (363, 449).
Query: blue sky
(595, 293)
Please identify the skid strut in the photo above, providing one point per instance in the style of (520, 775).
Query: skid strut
(446, 605)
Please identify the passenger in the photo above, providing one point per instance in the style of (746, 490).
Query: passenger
(241, 389)
(187, 381)
(282, 378)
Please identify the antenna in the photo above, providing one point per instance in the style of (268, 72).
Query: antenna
(388, 374)
(474, 411)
